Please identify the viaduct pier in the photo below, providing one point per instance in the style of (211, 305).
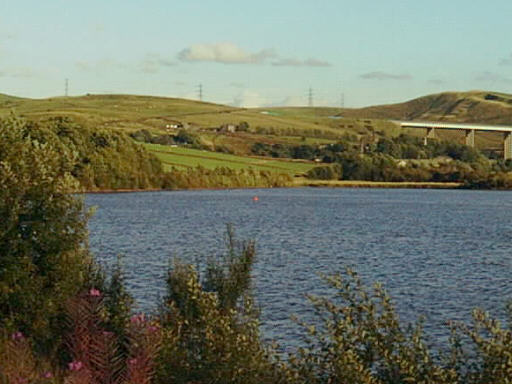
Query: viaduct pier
(469, 130)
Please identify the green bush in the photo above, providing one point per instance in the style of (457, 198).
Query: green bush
(230, 276)
(326, 172)
(211, 328)
(361, 341)
(44, 258)
(142, 135)
(223, 177)
(186, 137)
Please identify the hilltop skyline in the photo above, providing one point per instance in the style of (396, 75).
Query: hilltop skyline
(248, 54)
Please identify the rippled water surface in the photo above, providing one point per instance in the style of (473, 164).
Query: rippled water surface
(438, 253)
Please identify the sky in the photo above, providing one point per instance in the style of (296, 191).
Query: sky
(256, 53)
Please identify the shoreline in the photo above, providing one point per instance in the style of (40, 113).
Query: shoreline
(122, 190)
(302, 183)
(377, 184)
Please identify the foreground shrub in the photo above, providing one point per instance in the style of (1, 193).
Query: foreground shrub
(490, 359)
(96, 354)
(203, 343)
(362, 341)
(17, 362)
(229, 275)
(43, 254)
(209, 333)
(211, 329)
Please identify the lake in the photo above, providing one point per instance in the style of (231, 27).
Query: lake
(439, 253)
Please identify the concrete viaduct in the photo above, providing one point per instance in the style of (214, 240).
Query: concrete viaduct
(469, 129)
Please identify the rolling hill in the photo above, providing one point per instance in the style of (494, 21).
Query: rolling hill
(278, 124)
(466, 107)
(131, 111)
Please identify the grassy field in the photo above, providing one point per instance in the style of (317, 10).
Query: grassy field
(130, 112)
(271, 125)
(185, 157)
(303, 182)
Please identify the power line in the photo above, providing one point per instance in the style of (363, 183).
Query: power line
(200, 92)
(310, 97)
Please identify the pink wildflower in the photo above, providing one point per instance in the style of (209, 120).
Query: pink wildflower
(94, 292)
(152, 328)
(17, 336)
(75, 366)
(137, 319)
(47, 375)
(132, 361)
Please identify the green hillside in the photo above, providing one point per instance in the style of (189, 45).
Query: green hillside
(281, 125)
(187, 158)
(467, 107)
(132, 113)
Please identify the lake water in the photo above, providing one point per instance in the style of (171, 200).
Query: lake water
(439, 253)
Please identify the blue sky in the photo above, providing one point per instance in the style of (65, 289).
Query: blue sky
(256, 53)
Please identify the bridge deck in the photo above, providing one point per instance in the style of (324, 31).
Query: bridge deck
(442, 125)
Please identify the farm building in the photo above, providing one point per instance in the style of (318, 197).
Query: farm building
(231, 128)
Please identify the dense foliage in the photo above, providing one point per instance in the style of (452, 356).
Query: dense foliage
(400, 147)
(326, 172)
(407, 159)
(200, 177)
(210, 325)
(43, 255)
(103, 159)
(183, 137)
(412, 147)
(303, 151)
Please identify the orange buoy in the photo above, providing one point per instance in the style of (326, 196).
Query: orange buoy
(255, 198)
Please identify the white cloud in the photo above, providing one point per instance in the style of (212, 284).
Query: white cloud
(17, 72)
(226, 53)
(253, 99)
(302, 101)
(154, 62)
(236, 84)
(100, 65)
(290, 101)
(249, 99)
(379, 75)
(311, 62)
(230, 53)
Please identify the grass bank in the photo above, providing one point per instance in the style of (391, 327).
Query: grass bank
(303, 182)
(184, 158)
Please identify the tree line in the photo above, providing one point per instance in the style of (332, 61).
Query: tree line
(406, 159)
(104, 159)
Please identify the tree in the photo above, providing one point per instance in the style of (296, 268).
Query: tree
(243, 126)
(44, 259)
